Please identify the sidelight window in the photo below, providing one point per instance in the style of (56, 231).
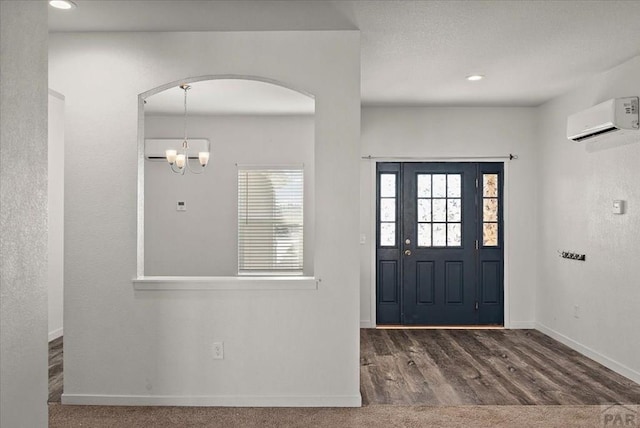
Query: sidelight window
(490, 210)
(388, 208)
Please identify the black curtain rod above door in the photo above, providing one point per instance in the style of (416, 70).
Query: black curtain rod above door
(427, 158)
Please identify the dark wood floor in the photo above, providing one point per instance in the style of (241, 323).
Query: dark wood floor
(478, 367)
(460, 367)
(55, 370)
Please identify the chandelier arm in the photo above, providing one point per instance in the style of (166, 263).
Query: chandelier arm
(193, 171)
(176, 171)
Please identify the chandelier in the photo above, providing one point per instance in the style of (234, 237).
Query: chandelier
(179, 161)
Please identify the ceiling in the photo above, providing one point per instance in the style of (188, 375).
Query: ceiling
(230, 96)
(418, 52)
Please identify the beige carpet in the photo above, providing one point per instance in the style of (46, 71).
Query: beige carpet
(370, 416)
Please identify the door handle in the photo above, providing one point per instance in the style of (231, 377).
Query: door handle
(407, 252)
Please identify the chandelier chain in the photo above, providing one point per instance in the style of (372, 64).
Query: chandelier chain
(186, 88)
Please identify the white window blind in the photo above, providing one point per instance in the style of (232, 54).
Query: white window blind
(270, 221)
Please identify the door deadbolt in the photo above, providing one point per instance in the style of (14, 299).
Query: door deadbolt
(407, 241)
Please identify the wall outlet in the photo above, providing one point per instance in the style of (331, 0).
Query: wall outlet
(217, 349)
(576, 311)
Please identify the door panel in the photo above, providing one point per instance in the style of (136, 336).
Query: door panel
(440, 245)
(490, 282)
(454, 283)
(389, 281)
(425, 282)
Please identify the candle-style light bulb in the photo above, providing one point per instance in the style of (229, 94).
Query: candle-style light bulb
(171, 156)
(180, 161)
(204, 158)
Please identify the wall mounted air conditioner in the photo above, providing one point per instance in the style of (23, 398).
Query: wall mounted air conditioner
(615, 117)
(154, 148)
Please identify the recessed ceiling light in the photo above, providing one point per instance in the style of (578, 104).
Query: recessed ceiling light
(475, 77)
(62, 4)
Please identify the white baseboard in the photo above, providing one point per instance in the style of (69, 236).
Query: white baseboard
(214, 400)
(366, 324)
(55, 334)
(517, 325)
(594, 355)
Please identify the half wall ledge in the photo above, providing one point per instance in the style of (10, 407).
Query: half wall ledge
(181, 283)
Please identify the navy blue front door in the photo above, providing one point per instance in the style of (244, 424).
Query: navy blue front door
(439, 250)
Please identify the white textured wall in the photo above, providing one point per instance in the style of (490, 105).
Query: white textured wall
(203, 241)
(55, 276)
(577, 189)
(23, 214)
(282, 347)
(470, 132)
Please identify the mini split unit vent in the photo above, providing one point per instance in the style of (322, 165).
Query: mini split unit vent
(154, 148)
(616, 117)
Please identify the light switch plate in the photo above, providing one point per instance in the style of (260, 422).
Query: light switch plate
(217, 350)
(618, 207)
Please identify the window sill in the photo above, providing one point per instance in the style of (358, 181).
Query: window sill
(225, 283)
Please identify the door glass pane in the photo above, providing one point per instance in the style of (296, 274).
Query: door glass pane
(490, 185)
(454, 235)
(424, 210)
(454, 186)
(453, 210)
(439, 210)
(387, 185)
(387, 234)
(490, 209)
(439, 202)
(490, 234)
(439, 185)
(424, 235)
(439, 235)
(388, 209)
(424, 185)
